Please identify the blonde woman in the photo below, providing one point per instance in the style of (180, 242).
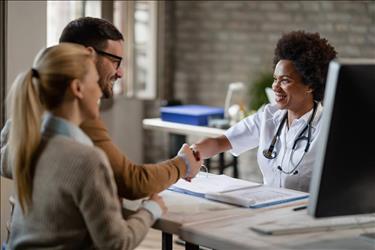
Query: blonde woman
(66, 194)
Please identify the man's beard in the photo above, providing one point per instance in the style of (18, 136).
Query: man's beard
(107, 89)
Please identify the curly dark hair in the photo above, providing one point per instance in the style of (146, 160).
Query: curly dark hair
(90, 31)
(310, 55)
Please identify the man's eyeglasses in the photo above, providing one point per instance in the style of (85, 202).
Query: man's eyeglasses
(114, 58)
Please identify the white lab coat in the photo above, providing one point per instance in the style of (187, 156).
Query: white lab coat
(258, 130)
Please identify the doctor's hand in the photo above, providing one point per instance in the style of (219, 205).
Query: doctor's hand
(192, 161)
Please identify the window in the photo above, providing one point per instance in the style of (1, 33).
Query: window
(3, 59)
(60, 13)
(138, 22)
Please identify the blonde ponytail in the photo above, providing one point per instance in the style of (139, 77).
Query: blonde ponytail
(24, 137)
(40, 88)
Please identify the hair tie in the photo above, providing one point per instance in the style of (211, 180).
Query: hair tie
(34, 73)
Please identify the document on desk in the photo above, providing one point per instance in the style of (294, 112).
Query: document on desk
(205, 183)
(236, 191)
(257, 197)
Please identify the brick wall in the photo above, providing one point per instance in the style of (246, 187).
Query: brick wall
(222, 42)
(218, 42)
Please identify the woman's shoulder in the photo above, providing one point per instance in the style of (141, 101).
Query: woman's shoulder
(73, 149)
(76, 160)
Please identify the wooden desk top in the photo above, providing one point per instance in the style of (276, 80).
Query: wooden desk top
(235, 233)
(221, 226)
(187, 210)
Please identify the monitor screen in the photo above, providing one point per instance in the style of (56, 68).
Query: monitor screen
(343, 181)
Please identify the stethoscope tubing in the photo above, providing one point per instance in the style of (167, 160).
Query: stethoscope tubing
(271, 154)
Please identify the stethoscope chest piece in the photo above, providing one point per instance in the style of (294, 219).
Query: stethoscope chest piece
(269, 154)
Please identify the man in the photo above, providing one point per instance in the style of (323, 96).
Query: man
(133, 181)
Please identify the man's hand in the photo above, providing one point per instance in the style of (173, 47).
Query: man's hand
(192, 159)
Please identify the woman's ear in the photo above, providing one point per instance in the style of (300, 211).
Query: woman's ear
(76, 88)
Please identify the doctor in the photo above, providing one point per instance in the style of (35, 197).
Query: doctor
(285, 133)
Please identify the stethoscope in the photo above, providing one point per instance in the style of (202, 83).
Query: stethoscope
(270, 153)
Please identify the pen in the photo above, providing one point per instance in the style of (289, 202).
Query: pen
(299, 208)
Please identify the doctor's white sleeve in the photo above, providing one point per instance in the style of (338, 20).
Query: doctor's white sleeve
(244, 135)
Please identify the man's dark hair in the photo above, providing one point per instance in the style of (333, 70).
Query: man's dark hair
(310, 55)
(90, 31)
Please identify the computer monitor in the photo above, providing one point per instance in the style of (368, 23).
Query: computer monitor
(343, 181)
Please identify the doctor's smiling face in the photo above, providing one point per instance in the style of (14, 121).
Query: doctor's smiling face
(290, 91)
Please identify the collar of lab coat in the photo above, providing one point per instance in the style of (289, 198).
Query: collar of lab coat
(279, 114)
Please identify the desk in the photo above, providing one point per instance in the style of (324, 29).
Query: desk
(187, 210)
(235, 233)
(192, 130)
(181, 129)
(222, 227)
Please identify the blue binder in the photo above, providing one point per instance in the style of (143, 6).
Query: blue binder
(191, 114)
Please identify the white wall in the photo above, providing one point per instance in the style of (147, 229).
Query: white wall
(124, 122)
(26, 35)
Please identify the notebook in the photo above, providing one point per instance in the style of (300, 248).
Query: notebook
(205, 183)
(234, 191)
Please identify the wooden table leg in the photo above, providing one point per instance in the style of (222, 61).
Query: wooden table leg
(235, 167)
(221, 163)
(190, 246)
(166, 241)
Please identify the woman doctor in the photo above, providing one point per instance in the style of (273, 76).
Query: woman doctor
(285, 133)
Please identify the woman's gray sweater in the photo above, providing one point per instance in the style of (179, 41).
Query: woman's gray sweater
(75, 203)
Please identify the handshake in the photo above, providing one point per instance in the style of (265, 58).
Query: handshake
(193, 160)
